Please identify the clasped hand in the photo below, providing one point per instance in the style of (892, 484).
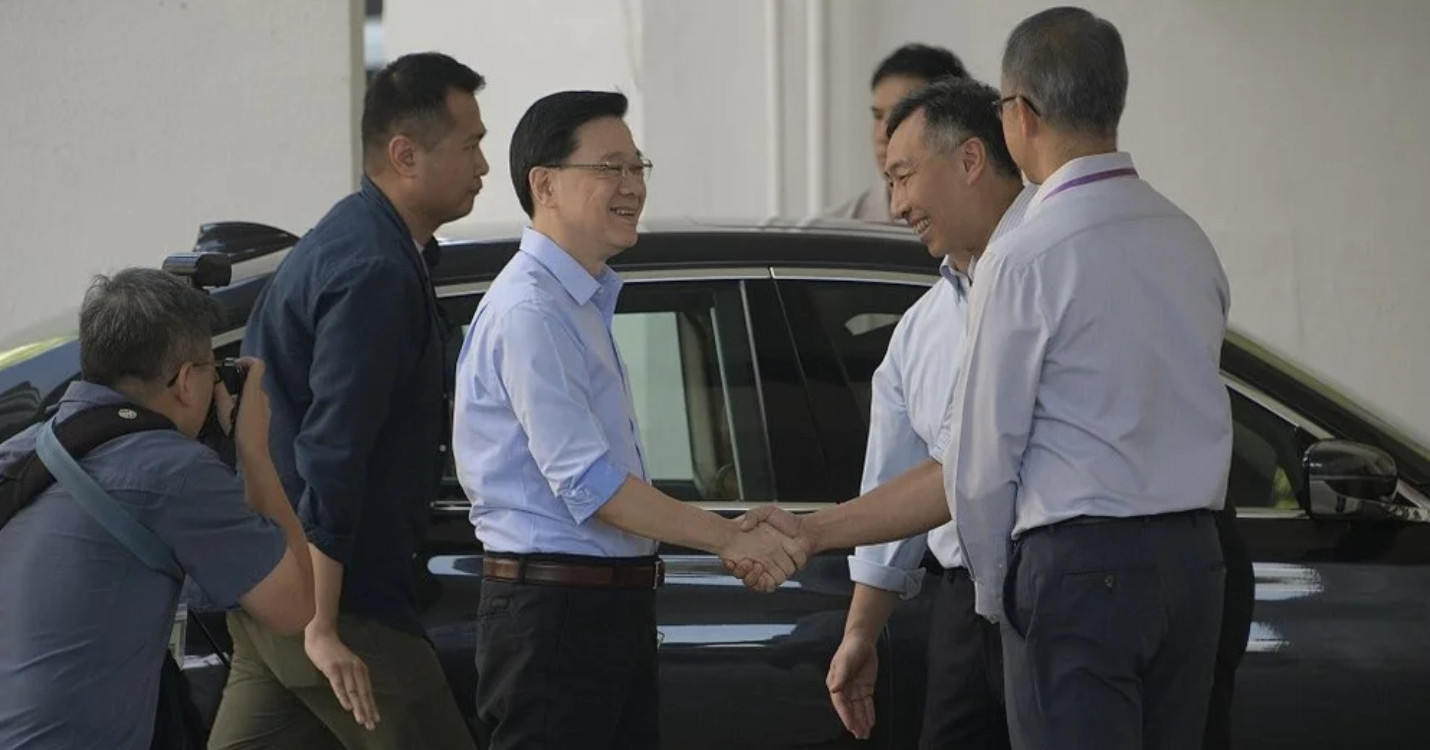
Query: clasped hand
(767, 546)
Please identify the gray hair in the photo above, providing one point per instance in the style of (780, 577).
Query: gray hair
(1071, 66)
(143, 324)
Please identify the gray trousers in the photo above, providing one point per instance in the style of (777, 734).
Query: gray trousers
(1111, 635)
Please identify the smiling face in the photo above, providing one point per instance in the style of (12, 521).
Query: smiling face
(597, 194)
(928, 189)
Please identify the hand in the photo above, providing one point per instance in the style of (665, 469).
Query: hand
(345, 672)
(852, 674)
(766, 556)
(786, 523)
(250, 432)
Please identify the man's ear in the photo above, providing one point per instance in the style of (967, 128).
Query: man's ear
(542, 182)
(184, 389)
(973, 156)
(402, 155)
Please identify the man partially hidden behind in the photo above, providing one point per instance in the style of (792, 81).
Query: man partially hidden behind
(904, 71)
(350, 326)
(83, 621)
(548, 450)
(953, 180)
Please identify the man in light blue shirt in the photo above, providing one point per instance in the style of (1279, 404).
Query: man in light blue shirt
(952, 178)
(548, 450)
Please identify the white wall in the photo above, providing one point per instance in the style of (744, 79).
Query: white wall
(525, 50)
(127, 123)
(1294, 132)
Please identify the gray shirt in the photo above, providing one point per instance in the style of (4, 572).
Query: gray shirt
(83, 623)
(870, 205)
(1090, 383)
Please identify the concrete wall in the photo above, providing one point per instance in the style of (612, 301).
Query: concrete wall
(525, 50)
(127, 123)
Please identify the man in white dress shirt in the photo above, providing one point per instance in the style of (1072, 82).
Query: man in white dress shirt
(950, 177)
(1090, 433)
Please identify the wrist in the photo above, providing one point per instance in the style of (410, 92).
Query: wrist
(320, 626)
(726, 533)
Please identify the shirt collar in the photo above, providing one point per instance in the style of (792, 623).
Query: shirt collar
(1080, 167)
(574, 278)
(81, 395)
(960, 281)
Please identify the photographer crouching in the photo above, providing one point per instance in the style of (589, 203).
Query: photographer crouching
(105, 508)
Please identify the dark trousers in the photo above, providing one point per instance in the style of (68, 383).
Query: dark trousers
(564, 667)
(1111, 633)
(963, 705)
(1237, 604)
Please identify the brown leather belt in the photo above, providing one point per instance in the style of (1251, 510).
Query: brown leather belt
(545, 572)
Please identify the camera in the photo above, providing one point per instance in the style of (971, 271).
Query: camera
(232, 374)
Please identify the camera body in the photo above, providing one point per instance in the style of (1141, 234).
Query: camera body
(232, 374)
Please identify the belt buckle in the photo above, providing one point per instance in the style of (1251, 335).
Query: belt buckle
(659, 574)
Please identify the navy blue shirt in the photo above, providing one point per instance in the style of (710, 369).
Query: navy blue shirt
(349, 329)
(83, 623)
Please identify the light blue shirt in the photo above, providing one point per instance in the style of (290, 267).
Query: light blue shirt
(545, 431)
(1090, 382)
(908, 408)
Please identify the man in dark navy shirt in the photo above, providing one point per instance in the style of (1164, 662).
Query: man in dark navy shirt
(350, 329)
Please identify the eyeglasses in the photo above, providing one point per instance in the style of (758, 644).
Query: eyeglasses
(611, 170)
(998, 105)
(210, 363)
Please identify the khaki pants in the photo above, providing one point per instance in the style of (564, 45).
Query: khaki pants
(276, 698)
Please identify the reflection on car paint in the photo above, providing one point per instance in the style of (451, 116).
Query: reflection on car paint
(1278, 582)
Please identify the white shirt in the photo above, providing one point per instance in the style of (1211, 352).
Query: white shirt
(908, 406)
(1090, 380)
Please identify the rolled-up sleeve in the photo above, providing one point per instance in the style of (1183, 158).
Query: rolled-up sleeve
(225, 548)
(990, 419)
(894, 447)
(543, 371)
(362, 343)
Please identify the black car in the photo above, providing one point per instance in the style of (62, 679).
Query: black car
(750, 350)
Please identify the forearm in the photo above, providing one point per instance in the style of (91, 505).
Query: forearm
(327, 589)
(911, 504)
(869, 612)
(265, 495)
(641, 509)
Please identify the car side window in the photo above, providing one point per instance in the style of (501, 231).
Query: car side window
(691, 372)
(857, 321)
(1265, 457)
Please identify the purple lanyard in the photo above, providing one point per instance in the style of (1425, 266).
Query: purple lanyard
(1089, 179)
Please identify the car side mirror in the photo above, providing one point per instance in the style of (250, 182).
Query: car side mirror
(1349, 480)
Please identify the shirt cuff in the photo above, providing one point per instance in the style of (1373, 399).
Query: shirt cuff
(988, 601)
(906, 583)
(594, 489)
(336, 546)
(939, 447)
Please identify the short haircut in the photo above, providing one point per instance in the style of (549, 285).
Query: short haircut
(546, 134)
(1071, 65)
(955, 110)
(143, 323)
(919, 61)
(409, 97)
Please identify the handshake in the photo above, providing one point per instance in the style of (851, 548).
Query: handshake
(766, 547)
